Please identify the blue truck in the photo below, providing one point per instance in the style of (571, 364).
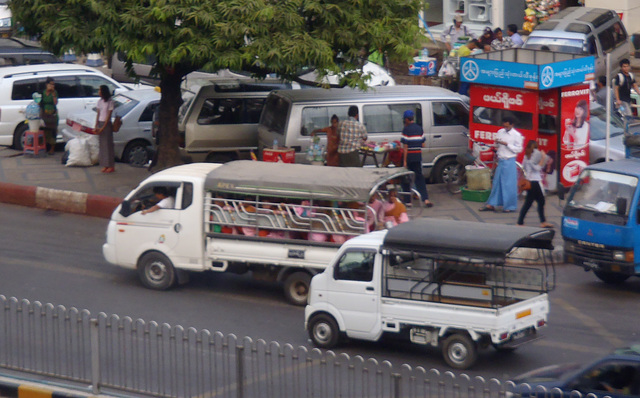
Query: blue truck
(601, 221)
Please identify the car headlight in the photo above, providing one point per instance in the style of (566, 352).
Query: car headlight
(626, 256)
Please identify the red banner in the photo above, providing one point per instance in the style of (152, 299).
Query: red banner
(548, 102)
(503, 98)
(574, 132)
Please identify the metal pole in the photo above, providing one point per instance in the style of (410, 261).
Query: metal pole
(95, 356)
(240, 371)
(396, 377)
(608, 109)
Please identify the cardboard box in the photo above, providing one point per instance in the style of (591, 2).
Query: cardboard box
(284, 155)
(423, 67)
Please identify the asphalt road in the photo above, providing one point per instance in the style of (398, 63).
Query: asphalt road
(56, 257)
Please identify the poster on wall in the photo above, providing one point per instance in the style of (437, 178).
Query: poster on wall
(574, 132)
(548, 136)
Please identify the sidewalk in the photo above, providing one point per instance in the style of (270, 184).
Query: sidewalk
(53, 182)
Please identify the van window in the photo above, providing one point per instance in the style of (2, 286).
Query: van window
(494, 117)
(619, 34)
(606, 39)
(592, 47)
(450, 114)
(356, 266)
(274, 116)
(24, 89)
(578, 28)
(90, 86)
(147, 114)
(230, 111)
(388, 118)
(317, 117)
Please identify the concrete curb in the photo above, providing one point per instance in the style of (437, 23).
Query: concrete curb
(25, 389)
(56, 199)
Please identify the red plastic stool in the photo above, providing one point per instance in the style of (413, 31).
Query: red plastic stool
(34, 143)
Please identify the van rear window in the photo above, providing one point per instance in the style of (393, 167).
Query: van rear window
(275, 113)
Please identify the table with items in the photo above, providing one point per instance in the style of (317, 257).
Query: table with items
(391, 153)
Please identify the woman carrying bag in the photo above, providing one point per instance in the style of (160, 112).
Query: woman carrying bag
(533, 162)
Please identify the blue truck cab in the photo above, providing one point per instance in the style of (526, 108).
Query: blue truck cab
(601, 221)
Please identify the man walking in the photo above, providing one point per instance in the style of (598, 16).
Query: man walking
(412, 142)
(623, 84)
(352, 135)
(504, 191)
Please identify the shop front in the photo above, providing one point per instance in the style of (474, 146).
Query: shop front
(547, 96)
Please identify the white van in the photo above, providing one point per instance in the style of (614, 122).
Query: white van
(289, 117)
(77, 88)
(584, 31)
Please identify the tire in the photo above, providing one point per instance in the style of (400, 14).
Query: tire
(156, 271)
(323, 331)
(444, 170)
(18, 137)
(136, 154)
(296, 288)
(611, 278)
(459, 351)
(455, 184)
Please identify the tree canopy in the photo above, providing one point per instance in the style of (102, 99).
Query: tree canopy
(258, 36)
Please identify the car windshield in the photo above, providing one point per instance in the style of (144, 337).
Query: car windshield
(123, 105)
(603, 192)
(599, 124)
(572, 46)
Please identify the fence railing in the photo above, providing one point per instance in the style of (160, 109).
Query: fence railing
(120, 354)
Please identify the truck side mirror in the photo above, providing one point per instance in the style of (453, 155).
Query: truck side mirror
(621, 206)
(125, 208)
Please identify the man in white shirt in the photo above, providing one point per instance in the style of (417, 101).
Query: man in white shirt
(164, 200)
(451, 35)
(504, 191)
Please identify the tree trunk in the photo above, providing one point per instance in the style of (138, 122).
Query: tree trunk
(168, 138)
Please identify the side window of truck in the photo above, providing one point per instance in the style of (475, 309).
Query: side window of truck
(355, 266)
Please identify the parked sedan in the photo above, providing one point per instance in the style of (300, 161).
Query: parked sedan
(133, 141)
(616, 375)
(597, 139)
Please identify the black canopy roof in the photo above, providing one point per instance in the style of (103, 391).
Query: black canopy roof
(463, 238)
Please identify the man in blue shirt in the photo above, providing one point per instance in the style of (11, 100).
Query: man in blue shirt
(412, 142)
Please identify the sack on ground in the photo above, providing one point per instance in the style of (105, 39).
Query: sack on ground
(79, 155)
(523, 185)
(93, 141)
(117, 123)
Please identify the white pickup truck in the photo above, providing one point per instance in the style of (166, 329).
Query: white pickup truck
(457, 285)
(281, 222)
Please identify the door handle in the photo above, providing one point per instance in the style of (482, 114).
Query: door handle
(370, 288)
(177, 227)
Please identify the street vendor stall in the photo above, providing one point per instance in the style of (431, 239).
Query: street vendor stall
(546, 93)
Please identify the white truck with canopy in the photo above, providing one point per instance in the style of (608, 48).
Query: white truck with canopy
(282, 222)
(456, 285)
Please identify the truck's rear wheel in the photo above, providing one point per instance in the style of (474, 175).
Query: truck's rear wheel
(296, 288)
(610, 277)
(459, 351)
(323, 331)
(156, 271)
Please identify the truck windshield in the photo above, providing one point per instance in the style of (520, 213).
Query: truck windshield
(603, 192)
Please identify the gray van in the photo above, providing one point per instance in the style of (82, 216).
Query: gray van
(289, 117)
(584, 31)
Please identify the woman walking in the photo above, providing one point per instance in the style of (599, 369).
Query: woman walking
(533, 162)
(49, 114)
(104, 129)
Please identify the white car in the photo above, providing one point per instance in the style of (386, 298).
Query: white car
(77, 88)
(597, 139)
(133, 141)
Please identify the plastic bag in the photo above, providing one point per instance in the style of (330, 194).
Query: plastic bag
(79, 154)
(93, 141)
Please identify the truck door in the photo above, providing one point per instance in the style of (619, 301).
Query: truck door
(354, 293)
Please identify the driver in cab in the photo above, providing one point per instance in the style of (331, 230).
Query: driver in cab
(165, 201)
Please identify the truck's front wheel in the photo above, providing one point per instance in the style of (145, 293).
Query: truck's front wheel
(296, 287)
(459, 351)
(610, 277)
(156, 271)
(323, 331)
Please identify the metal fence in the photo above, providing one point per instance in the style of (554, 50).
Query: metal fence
(120, 354)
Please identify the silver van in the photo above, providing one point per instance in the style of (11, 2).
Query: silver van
(289, 117)
(584, 31)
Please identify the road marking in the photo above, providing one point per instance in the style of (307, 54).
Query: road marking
(589, 322)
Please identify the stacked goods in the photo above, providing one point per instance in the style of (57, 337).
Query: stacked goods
(538, 11)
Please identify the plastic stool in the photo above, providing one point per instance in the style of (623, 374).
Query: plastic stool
(34, 143)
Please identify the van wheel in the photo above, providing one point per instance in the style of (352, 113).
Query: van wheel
(459, 351)
(611, 278)
(156, 271)
(136, 153)
(445, 170)
(18, 137)
(323, 331)
(296, 288)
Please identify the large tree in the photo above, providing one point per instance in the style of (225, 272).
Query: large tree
(259, 36)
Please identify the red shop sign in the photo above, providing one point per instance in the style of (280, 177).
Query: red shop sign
(503, 98)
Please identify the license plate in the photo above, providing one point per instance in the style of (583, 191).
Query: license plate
(520, 334)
